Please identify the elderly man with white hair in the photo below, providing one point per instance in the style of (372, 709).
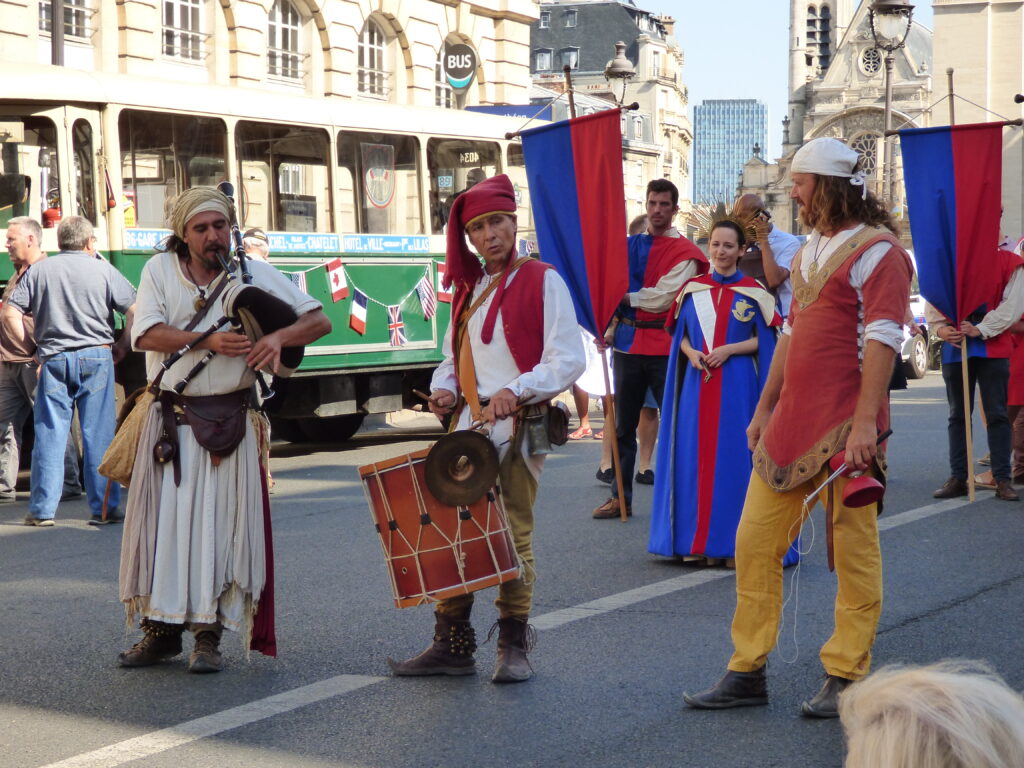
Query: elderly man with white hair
(197, 549)
(72, 297)
(825, 395)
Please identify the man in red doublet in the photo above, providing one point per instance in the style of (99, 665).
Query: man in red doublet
(825, 394)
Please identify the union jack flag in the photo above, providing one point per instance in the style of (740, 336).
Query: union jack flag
(396, 327)
(428, 299)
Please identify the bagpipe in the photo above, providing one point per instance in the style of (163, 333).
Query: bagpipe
(247, 308)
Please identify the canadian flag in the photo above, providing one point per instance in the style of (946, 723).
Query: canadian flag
(443, 294)
(336, 279)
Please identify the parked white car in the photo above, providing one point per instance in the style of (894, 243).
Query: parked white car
(915, 347)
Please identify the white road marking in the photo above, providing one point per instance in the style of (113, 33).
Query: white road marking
(211, 725)
(625, 599)
(169, 738)
(587, 610)
(886, 523)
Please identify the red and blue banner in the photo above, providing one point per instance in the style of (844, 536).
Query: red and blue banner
(953, 178)
(574, 169)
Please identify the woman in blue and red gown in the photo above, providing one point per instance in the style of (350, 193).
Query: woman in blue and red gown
(723, 344)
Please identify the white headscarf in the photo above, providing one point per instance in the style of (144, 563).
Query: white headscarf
(829, 157)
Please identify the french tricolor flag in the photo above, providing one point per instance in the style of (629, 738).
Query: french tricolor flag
(576, 188)
(953, 176)
(357, 317)
(443, 294)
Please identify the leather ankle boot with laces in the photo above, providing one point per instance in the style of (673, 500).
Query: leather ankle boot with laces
(160, 642)
(450, 653)
(515, 639)
(205, 655)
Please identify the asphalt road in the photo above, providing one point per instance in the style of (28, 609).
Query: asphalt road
(610, 673)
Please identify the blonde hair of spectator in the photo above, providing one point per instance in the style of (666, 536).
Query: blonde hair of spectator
(74, 234)
(27, 226)
(954, 714)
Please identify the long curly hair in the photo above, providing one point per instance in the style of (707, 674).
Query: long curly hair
(835, 201)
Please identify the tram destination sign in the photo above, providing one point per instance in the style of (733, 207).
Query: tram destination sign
(460, 64)
(280, 242)
(386, 244)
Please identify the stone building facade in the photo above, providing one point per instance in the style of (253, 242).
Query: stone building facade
(983, 42)
(384, 50)
(837, 89)
(658, 137)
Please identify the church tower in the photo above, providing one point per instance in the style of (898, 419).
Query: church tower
(816, 28)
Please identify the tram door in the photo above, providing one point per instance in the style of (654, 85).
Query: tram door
(48, 168)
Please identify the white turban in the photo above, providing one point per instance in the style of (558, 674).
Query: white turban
(194, 201)
(829, 157)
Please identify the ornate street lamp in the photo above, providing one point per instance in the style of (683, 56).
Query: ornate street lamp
(890, 24)
(620, 68)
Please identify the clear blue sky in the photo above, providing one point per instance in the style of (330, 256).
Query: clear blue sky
(739, 49)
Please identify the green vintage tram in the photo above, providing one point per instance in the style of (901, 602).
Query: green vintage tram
(368, 184)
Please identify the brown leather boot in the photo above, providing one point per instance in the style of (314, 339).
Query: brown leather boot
(205, 655)
(161, 641)
(953, 488)
(1005, 491)
(515, 639)
(451, 653)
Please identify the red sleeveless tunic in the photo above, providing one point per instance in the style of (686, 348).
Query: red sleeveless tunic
(812, 419)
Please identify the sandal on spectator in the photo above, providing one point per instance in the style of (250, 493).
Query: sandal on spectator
(581, 433)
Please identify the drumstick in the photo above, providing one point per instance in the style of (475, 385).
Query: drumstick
(424, 396)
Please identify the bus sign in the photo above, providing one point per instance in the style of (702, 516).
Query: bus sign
(459, 65)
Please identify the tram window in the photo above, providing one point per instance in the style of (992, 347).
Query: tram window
(455, 166)
(284, 177)
(516, 170)
(162, 155)
(29, 180)
(85, 172)
(379, 173)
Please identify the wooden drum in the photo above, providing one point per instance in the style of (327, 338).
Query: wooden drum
(435, 551)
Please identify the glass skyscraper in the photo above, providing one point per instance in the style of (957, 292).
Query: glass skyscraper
(724, 134)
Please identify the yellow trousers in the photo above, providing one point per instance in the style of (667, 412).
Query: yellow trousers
(770, 522)
(518, 494)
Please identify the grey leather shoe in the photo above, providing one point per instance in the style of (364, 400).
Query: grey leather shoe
(736, 689)
(825, 704)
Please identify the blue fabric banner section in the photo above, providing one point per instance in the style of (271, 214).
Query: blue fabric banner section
(551, 173)
(930, 180)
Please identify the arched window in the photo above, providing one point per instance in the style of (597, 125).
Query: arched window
(284, 26)
(373, 74)
(444, 96)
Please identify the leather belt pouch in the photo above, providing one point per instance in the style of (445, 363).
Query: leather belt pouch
(217, 421)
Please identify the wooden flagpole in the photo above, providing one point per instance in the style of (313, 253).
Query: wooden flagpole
(609, 415)
(968, 412)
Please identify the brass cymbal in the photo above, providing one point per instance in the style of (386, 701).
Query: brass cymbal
(461, 468)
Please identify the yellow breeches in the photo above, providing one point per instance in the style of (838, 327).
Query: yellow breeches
(770, 522)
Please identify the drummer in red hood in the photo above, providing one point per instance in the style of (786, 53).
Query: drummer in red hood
(513, 344)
